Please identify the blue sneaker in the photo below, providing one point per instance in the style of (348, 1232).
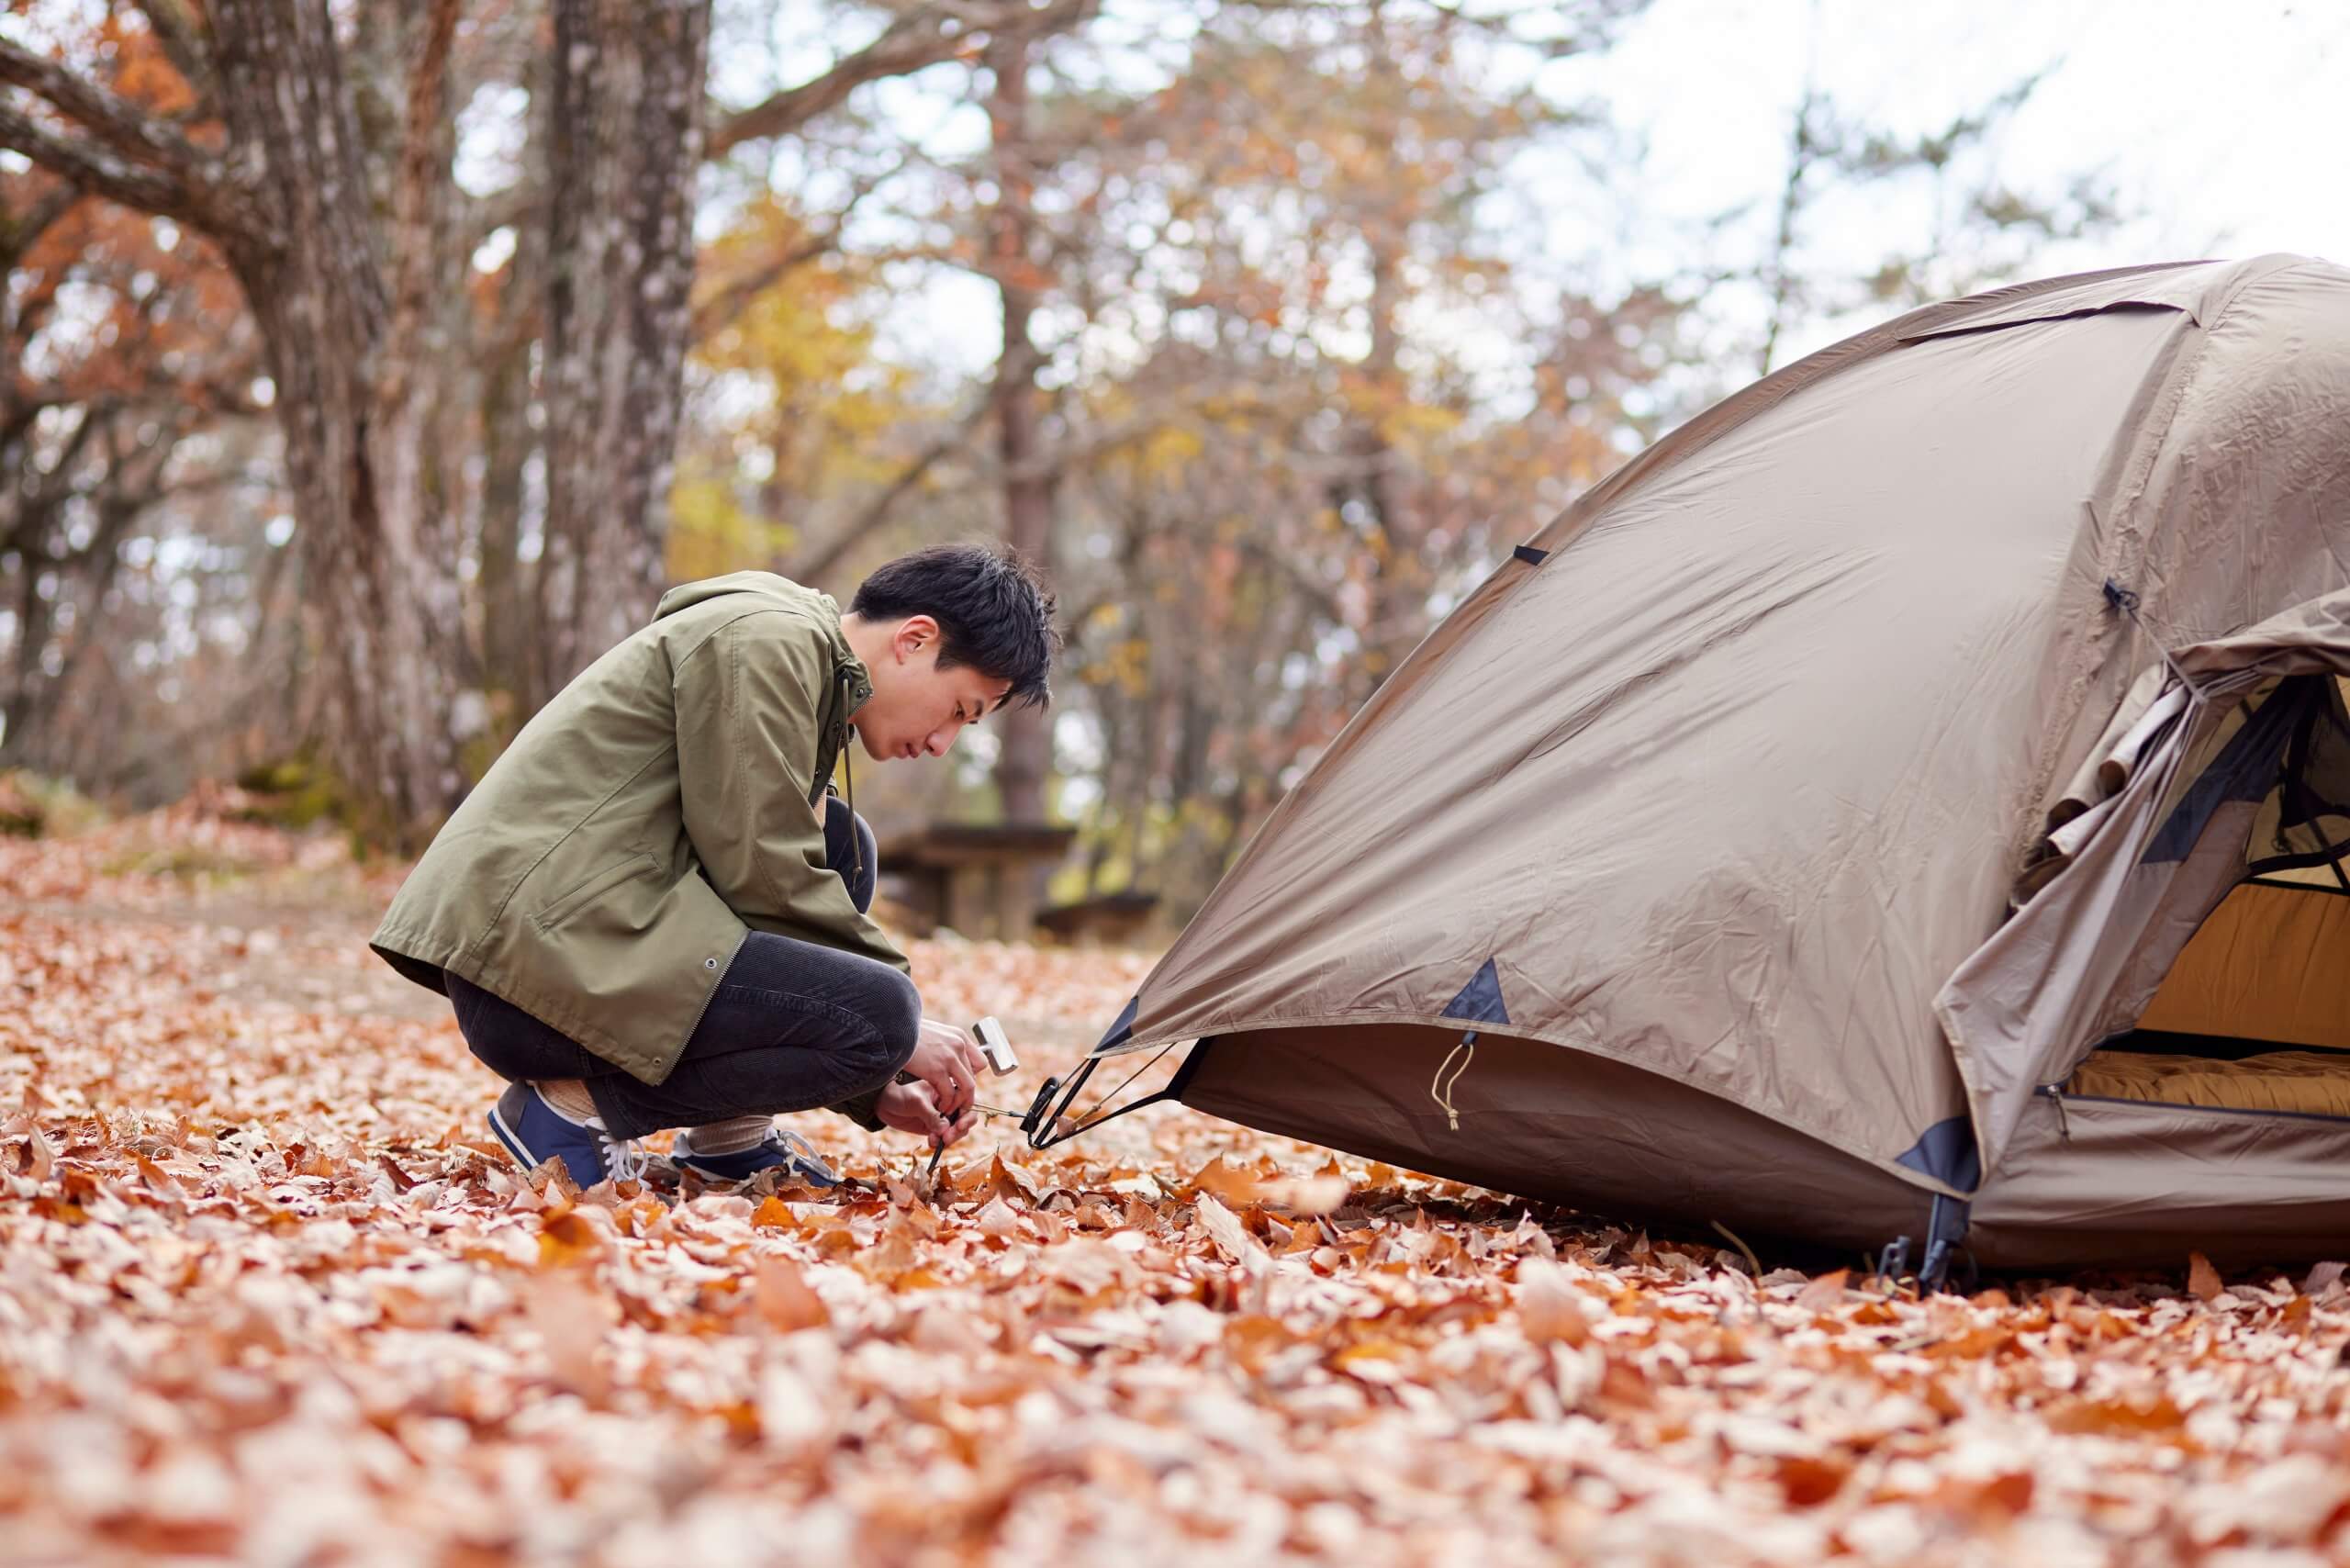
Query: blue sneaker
(791, 1156)
(534, 1131)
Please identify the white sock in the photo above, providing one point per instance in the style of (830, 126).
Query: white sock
(732, 1136)
(569, 1096)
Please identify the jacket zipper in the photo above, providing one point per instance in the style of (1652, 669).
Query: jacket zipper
(848, 763)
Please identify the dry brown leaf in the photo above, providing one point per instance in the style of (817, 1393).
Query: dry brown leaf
(1808, 1481)
(1088, 1265)
(159, 1182)
(2203, 1281)
(2115, 1416)
(567, 1240)
(782, 1297)
(1223, 1228)
(571, 1318)
(1306, 1195)
(1229, 1183)
(996, 1219)
(1376, 1362)
(1826, 1293)
(1549, 1306)
(1010, 1180)
(37, 1160)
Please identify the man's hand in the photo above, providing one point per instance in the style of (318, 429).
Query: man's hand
(938, 1103)
(910, 1108)
(950, 1063)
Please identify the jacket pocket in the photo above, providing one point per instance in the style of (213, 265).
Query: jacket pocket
(572, 900)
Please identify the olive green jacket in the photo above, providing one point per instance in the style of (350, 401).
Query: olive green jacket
(604, 871)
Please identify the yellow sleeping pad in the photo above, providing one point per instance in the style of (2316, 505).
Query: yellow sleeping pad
(2315, 1084)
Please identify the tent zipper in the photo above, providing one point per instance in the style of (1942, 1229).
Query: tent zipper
(2056, 1093)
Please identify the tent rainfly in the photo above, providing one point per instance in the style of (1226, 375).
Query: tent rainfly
(1907, 801)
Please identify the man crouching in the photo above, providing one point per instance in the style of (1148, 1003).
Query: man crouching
(651, 911)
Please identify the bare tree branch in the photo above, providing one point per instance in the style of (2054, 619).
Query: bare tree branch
(729, 301)
(135, 159)
(924, 38)
(822, 557)
(908, 44)
(116, 121)
(99, 171)
(722, 307)
(40, 489)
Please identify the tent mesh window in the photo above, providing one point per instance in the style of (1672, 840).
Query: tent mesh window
(2254, 1014)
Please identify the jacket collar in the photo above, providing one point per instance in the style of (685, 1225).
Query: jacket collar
(848, 671)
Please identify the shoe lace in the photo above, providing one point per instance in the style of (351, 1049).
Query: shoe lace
(803, 1154)
(625, 1159)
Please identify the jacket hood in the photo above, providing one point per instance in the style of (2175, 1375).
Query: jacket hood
(768, 585)
(783, 593)
(854, 683)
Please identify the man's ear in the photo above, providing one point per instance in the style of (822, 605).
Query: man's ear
(914, 634)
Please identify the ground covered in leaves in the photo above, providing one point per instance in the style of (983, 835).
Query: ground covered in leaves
(267, 1291)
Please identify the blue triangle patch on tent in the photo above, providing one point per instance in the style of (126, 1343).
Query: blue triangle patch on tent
(1480, 1000)
(1119, 1032)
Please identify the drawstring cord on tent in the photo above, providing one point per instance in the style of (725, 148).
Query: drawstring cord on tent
(1440, 1088)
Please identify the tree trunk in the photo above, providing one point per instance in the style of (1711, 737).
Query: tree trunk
(509, 673)
(626, 140)
(513, 671)
(349, 401)
(1026, 758)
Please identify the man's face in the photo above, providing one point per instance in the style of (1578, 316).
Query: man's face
(917, 709)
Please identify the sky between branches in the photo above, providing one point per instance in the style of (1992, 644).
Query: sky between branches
(2219, 126)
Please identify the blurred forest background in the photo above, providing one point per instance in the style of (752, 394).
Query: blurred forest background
(369, 366)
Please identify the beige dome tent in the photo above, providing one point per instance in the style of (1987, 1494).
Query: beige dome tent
(1906, 801)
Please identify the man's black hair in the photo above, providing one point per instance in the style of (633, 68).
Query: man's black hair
(993, 607)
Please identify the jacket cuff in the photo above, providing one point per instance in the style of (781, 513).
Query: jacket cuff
(858, 1108)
